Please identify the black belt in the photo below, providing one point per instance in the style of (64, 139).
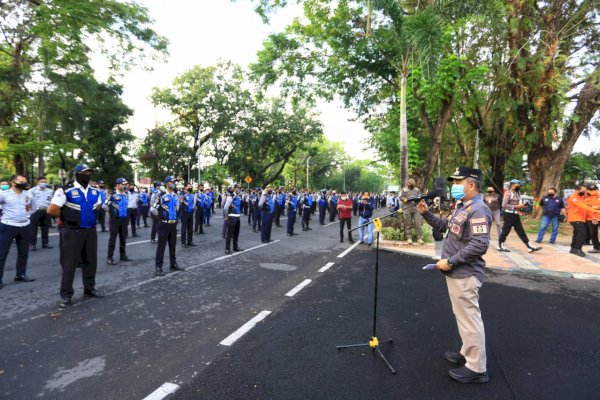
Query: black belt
(169, 221)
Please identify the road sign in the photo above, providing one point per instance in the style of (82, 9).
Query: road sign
(377, 224)
(247, 179)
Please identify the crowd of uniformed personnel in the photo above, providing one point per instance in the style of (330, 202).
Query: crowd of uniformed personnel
(81, 206)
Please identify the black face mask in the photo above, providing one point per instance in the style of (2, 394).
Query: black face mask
(550, 195)
(490, 192)
(517, 188)
(83, 179)
(21, 186)
(581, 193)
(269, 192)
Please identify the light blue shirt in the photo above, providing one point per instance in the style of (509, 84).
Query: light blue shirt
(17, 208)
(42, 196)
(132, 199)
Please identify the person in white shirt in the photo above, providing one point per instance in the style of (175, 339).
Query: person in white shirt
(40, 218)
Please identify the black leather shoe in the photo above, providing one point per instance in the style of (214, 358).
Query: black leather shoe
(159, 272)
(32, 248)
(135, 235)
(191, 245)
(111, 261)
(184, 245)
(93, 293)
(66, 302)
(455, 358)
(1, 285)
(23, 278)
(125, 258)
(237, 249)
(465, 375)
(577, 252)
(176, 267)
(47, 247)
(228, 252)
(202, 233)
(152, 241)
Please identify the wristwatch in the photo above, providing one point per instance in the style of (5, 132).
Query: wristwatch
(450, 263)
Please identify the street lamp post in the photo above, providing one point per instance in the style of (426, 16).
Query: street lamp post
(307, 160)
(199, 159)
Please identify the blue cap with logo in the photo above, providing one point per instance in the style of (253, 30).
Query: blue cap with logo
(82, 168)
(170, 179)
(120, 180)
(518, 182)
(466, 172)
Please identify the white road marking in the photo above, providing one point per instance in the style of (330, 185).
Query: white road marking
(241, 331)
(594, 277)
(165, 390)
(521, 261)
(331, 223)
(326, 267)
(298, 288)
(348, 250)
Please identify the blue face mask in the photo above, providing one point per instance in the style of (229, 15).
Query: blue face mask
(4, 187)
(457, 191)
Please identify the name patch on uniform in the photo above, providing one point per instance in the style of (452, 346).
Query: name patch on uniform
(166, 198)
(117, 198)
(478, 220)
(479, 229)
(455, 229)
(94, 192)
(74, 193)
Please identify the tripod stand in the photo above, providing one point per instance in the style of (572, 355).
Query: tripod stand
(374, 341)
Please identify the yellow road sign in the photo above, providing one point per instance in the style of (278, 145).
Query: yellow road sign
(377, 224)
(247, 179)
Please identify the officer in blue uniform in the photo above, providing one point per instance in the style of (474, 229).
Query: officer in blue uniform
(144, 207)
(256, 214)
(201, 204)
(210, 206)
(116, 206)
(75, 205)
(251, 199)
(232, 208)
(186, 212)
(322, 202)
(100, 213)
(307, 202)
(165, 208)
(332, 206)
(292, 211)
(267, 207)
(279, 206)
(156, 191)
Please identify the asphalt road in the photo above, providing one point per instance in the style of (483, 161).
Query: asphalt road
(542, 331)
(147, 330)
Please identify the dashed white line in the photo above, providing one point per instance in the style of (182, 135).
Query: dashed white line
(298, 288)
(348, 250)
(231, 339)
(165, 390)
(326, 267)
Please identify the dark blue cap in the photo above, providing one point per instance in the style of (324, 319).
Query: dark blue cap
(82, 168)
(120, 180)
(170, 179)
(518, 182)
(466, 172)
(257, 188)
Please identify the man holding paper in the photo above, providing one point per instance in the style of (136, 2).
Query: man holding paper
(467, 233)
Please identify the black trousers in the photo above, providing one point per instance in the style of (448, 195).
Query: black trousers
(332, 212)
(256, 219)
(267, 225)
(39, 219)
(117, 226)
(101, 218)
(291, 221)
(579, 232)
(344, 221)
(132, 212)
(187, 227)
(78, 245)
(199, 223)
(22, 235)
(250, 213)
(305, 217)
(277, 213)
(145, 211)
(233, 232)
(167, 233)
(154, 227)
(322, 215)
(510, 221)
(593, 231)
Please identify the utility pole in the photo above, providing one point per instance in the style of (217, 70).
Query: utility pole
(199, 156)
(476, 158)
(307, 160)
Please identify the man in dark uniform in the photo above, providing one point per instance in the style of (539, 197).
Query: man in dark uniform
(165, 208)
(232, 209)
(156, 191)
(186, 212)
(307, 202)
(251, 200)
(116, 205)
(292, 211)
(100, 213)
(322, 202)
(75, 205)
(279, 206)
(511, 206)
(332, 206)
(467, 232)
(201, 204)
(267, 207)
(144, 207)
(257, 217)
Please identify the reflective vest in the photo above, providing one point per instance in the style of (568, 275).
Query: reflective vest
(78, 211)
(166, 205)
(118, 205)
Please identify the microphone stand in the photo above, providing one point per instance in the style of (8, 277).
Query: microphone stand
(374, 341)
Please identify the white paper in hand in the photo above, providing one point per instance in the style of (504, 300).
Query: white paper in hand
(429, 266)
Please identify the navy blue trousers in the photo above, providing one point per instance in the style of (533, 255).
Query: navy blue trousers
(22, 235)
(267, 224)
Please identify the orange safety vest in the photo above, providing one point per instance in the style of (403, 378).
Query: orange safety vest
(578, 209)
(593, 201)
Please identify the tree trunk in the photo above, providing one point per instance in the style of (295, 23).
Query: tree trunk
(403, 132)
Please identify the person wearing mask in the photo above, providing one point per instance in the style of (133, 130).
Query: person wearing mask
(412, 218)
(201, 201)
(116, 206)
(467, 239)
(322, 202)
(257, 218)
(332, 202)
(186, 213)
(267, 207)
(210, 205)
(365, 215)
(165, 208)
(292, 212)
(17, 207)
(593, 200)
(577, 215)
(4, 186)
(143, 208)
(159, 189)
(344, 208)
(307, 202)
(552, 208)
(100, 213)
(511, 205)
(40, 218)
(494, 202)
(75, 205)
(279, 206)
(132, 198)
(232, 209)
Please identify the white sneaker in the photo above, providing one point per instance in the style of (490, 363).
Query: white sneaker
(502, 248)
(409, 241)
